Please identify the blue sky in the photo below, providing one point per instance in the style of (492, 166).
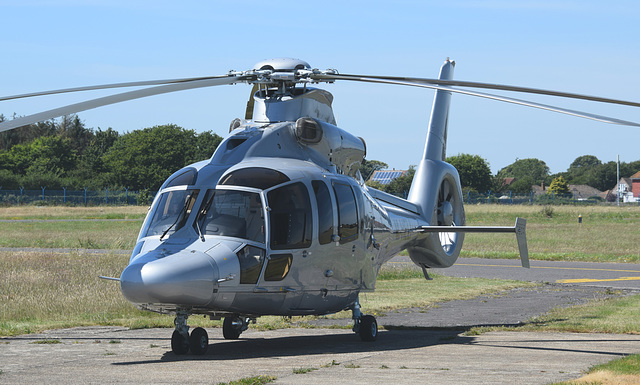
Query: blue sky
(588, 47)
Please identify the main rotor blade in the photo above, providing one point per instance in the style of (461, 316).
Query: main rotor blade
(586, 115)
(143, 83)
(493, 86)
(117, 98)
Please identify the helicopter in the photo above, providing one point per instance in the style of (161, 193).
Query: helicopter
(279, 220)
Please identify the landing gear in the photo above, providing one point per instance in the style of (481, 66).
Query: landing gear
(199, 341)
(181, 341)
(365, 325)
(233, 326)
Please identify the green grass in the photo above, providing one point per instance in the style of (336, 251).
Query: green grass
(626, 365)
(607, 233)
(621, 371)
(259, 380)
(612, 315)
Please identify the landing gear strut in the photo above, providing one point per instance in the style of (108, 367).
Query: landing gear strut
(365, 325)
(181, 341)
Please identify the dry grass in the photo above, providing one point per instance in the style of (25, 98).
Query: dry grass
(73, 212)
(108, 234)
(52, 290)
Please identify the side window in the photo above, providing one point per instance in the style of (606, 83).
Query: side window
(278, 267)
(251, 260)
(347, 213)
(290, 217)
(325, 211)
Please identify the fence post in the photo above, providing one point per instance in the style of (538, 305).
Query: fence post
(64, 195)
(510, 197)
(43, 192)
(85, 196)
(126, 196)
(106, 195)
(468, 197)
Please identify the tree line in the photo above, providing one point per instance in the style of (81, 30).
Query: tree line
(64, 153)
(476, 176)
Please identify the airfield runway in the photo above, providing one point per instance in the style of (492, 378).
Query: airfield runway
(433, 350)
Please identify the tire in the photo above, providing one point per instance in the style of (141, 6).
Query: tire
(179, 344)
(199, 341)
(368, 328)
(229, 330)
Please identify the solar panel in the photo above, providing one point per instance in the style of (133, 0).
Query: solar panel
(386, 176)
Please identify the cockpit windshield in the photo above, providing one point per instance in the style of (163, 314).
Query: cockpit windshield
(171, 212)
(231, 213)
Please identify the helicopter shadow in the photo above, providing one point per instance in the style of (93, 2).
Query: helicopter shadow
(308, 345)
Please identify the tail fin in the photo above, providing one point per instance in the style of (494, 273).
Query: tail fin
(436, 188)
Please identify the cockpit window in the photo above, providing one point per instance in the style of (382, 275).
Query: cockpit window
(256, 177)
(171, 212)
(185, 178)
(231, 213)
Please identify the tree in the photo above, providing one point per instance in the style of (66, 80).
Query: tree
(146, 158)
(581, 171)
(401, 185)
(533, 170)
(558, 186)
(584, 162)
(51, 154)
(475, 174)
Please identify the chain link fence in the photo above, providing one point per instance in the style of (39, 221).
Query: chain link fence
(83, 197)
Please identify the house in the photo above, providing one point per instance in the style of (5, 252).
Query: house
(580, 192)
(629, 188)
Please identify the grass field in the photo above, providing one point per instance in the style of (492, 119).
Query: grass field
(607, 233)
(46, 290)
(52, 290)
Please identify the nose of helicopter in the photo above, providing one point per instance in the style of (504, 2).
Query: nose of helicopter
(184, 278)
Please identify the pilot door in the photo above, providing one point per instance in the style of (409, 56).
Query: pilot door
(290, 233)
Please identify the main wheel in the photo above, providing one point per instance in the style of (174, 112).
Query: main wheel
(231, 328)
(368, 328)
(179, 344)
(199, 341)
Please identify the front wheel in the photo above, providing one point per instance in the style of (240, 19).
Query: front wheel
(368, 328)
(179, 344)
(199, 341)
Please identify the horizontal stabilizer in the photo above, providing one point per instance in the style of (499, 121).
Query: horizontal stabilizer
(519, 229)
(109, 278)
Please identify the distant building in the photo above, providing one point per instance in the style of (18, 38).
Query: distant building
(386, 176)
(629, 188)
(580, 191)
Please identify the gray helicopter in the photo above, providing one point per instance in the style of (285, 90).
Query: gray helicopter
(279, 221)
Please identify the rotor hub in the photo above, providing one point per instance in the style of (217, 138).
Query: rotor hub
(282, 65)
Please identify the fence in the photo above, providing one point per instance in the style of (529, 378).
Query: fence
(76, 197)
(128, 197)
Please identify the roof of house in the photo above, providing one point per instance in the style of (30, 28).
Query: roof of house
(635, 176)
(583, 191)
